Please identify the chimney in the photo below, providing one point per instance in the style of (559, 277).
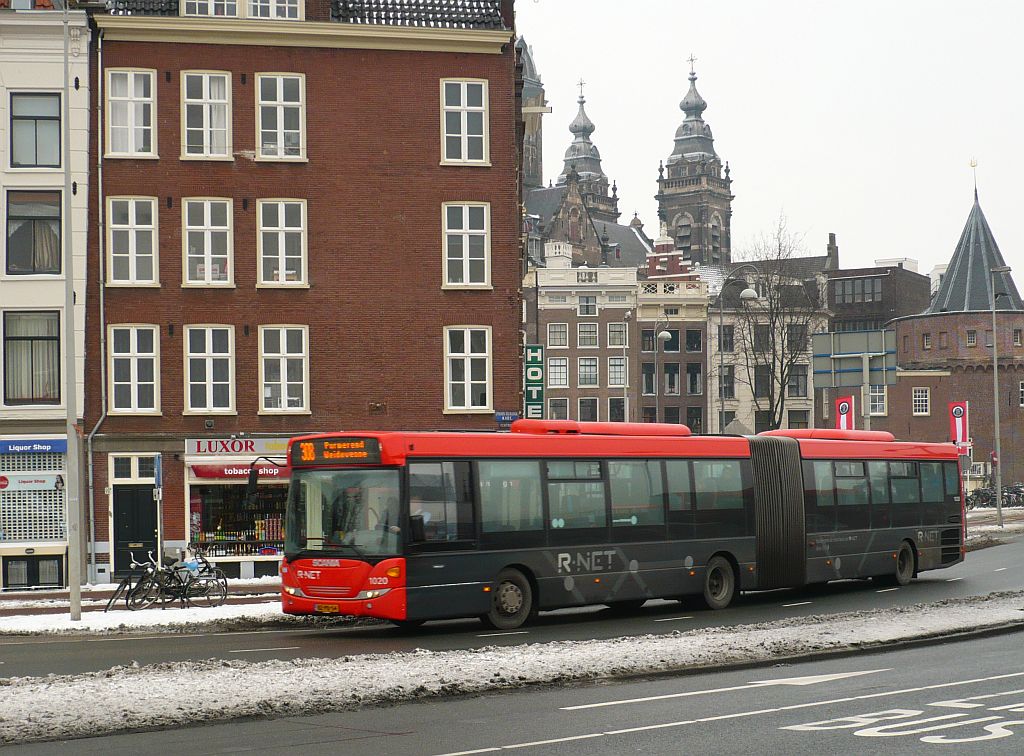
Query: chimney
(833, 253)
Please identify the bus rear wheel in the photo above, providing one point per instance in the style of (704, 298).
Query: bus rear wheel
(719, 583)
(511, 601)
(904, 565)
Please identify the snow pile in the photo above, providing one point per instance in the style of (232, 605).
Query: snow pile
(175, 694)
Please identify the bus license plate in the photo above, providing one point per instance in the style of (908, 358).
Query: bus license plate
(326, 608)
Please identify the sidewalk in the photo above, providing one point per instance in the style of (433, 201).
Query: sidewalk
(95, 597)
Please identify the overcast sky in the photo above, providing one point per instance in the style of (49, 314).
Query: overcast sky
(858, 118)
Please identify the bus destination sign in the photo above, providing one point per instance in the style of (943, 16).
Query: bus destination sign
(337, 449)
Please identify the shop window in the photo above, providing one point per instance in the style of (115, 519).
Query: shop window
(226, 523)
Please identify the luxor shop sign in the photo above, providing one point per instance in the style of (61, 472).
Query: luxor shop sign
(211, 447)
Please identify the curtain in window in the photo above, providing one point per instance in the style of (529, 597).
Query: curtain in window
(32, 357)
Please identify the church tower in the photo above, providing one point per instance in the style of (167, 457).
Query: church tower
(534, 108)
(694, 193)
(583, 167)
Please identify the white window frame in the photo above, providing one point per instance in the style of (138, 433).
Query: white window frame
(134, 476)
(211, 7)
(449, 356)
(132, 100)
(618, 328)
(463, 109)
(926, 341)
(564, 362)
(133, 356)
(625, 407)
(625, 372)
(873, 400)
(558, 346)
(283, 357)
(275, 5)
(579, 306)
(916, 396)
(206, 104)
(595, 328)
(282, 231)
(206, 229)
(208, 356)
(1021, 394)
(241, 9)
(133, 228)
(596, 362)
(972, 337)
(597, 407)
(1018, 337)
(465, 232)
(553, 399)
(280, 105)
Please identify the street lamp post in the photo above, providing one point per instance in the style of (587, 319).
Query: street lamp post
(625, 365)
(745, 296)
(998, 471)
(659, 335)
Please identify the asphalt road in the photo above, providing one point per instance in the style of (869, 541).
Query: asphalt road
(962, 697)
(994, 569)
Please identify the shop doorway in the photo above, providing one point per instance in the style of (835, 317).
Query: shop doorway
(134, 524)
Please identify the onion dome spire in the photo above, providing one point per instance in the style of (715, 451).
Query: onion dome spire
(693, 137)
(582, 154)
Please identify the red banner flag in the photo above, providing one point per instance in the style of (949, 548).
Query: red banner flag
(844, 413)
(959, 432)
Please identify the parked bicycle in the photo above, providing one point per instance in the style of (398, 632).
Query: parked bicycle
(191, 582)
(127, 585)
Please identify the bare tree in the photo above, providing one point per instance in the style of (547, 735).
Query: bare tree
(773, 332)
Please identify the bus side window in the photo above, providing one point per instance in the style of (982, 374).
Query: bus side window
(440, 494)
(878, 475)
(510, 497)
(952, 504)
(720, 497)
(905, 490)
(933, 493)
(852, 511)
(637, 496)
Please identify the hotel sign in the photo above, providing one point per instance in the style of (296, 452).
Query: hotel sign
(533, 382)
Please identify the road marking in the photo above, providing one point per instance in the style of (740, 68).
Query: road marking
(999, 570)
(791, 707)
(758, 684)
(953, 580)
(798, 603)
(511, 632)
(257, 650)
(673, 619)
(886, 590)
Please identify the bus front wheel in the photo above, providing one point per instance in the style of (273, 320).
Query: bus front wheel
(719, 583)
(511, 601)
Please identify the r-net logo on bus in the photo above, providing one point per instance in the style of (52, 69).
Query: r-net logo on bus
(585, 561)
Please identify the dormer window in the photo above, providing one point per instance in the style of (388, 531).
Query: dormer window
(274, 10)
(228, 8)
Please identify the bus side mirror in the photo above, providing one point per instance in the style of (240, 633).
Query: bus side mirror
(250, 485)
(416, 529)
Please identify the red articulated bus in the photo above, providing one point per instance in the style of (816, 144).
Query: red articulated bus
(416, 526)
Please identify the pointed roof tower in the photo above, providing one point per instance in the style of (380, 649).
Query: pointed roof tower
(967, 284)
(582, 154)
(693, 137)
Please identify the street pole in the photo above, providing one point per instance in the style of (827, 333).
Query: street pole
(71, 485)
(721, 360)
(657, 376)
(998, 471)
(625, 366)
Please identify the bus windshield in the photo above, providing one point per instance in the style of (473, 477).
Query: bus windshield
(352, 512)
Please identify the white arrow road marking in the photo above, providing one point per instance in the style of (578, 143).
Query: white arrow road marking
(755, 712)
(759, 684)
(961, 703)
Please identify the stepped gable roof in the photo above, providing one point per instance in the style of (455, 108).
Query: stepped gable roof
(434, 14)
(967, 284)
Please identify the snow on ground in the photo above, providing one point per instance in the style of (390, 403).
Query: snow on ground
(179, 693)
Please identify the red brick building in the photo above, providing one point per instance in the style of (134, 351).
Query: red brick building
(307, 220)
(945, 355)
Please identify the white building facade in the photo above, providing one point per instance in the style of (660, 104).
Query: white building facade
(41, 247)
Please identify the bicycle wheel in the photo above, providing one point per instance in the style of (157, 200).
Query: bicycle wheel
(207, 592)
(144, 594)
(121, 592)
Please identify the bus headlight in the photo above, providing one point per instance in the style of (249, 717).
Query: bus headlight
(292, 591)
(376, 593)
